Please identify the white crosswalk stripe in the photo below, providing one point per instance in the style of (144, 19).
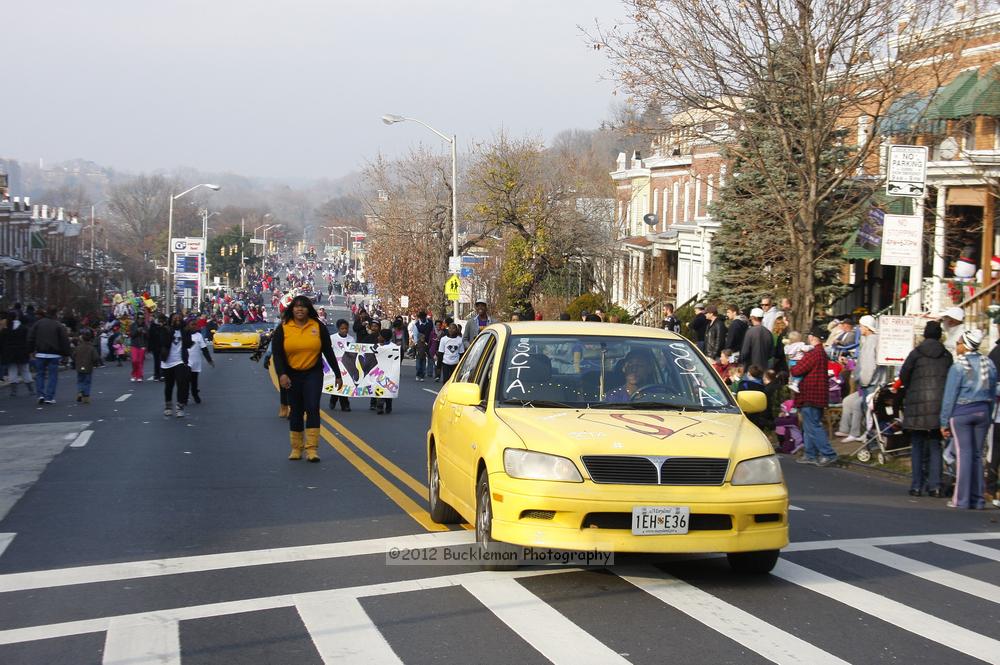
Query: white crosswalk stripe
(910, 619)
(540, 625)
(757, 635)
(342, 631)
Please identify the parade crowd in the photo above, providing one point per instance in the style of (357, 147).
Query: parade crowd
(946, 390)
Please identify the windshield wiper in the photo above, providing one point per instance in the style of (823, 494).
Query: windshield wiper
(540, 403)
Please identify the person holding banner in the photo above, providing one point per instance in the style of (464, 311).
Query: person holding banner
(340, 342)
(297, 345)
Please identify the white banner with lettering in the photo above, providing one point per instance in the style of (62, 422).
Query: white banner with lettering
(368, 370)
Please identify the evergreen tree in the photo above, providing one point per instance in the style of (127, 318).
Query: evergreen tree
(763, 244)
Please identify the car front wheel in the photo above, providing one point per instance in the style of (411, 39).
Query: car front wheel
(484, 527)
(441, 512)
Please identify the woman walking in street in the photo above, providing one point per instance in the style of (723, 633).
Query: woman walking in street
(965, 414)
(138, 340)
(297, 345)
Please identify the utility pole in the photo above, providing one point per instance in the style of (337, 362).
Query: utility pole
(243, 265)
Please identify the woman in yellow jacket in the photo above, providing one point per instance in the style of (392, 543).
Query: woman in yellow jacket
(296, 347)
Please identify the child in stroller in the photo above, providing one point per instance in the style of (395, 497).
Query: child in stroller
(885, 435)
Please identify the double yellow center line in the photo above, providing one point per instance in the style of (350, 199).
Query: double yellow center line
(391, 490)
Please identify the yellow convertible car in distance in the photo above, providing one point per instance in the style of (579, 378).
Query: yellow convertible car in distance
(584, 436)
(236, 337)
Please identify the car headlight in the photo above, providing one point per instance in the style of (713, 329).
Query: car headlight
(758, 471)
(539, 466)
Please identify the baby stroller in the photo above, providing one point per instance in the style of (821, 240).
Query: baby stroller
(885, 434)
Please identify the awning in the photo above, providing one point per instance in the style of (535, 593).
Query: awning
(983, 98)
(905, 115)
(942, 106)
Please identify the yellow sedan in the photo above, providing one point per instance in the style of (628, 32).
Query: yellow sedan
(236, 337)
(582, 436)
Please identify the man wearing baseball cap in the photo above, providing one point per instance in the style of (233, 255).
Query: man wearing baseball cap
(758, 342)
(698, 325)
(476, 323)
(812, 398)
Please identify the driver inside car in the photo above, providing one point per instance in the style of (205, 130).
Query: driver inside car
(637, 372)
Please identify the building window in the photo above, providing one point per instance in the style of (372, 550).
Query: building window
(676, 197)
(710, 194)
(697, 198)
(967, 134)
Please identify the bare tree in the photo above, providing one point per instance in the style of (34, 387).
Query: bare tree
(810, 69)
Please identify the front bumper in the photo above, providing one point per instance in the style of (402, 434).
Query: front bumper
(583, 513)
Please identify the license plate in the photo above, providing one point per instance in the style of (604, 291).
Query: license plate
(659, 520)
(234, 344)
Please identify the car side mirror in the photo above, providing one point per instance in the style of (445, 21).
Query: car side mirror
(464, 394)
(751, 401)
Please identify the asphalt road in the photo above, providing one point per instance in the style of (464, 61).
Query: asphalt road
(130, 538)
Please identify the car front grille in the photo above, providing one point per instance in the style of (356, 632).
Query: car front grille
(637, 470)
(698, 521)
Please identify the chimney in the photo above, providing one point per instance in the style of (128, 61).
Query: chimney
(61, 215)
(45, 211)
(27, 202)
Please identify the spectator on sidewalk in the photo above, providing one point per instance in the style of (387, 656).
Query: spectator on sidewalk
(922, 380)
(475, 324)
(812, 398)
(758, 343)
(715, 334)
(966, 409)
(736, 330)
(698, 326)
(771, 313)
(952, 324)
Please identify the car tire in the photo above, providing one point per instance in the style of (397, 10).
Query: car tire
(753, 563)
(441, 512)
(484, 525)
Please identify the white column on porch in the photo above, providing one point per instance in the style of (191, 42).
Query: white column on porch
(913, 303)
(642, 275)
(939, 231)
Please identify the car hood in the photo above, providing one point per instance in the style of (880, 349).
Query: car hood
(574, 432)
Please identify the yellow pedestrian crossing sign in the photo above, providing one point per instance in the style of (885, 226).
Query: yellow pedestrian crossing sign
(452, 287)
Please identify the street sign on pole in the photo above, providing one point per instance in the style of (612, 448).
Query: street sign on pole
(902, 240)
(188, 245)
(466, 272)
(907, 172)
(452, 287)
(454, 264)
(256, 241)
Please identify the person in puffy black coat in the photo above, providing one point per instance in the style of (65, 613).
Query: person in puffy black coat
(923, 378)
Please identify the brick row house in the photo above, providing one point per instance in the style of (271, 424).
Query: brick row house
(666, 257)
(40, 256)
(958, 118)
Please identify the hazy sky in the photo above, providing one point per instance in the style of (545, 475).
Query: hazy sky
(289, 87)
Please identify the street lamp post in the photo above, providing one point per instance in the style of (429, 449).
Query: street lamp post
(170, 241)
(391, 119)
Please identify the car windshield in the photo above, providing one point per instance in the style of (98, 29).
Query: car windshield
(593, 371)
(237, 327)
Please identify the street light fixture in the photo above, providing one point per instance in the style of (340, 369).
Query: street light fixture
(170, 241)
(391, 119)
